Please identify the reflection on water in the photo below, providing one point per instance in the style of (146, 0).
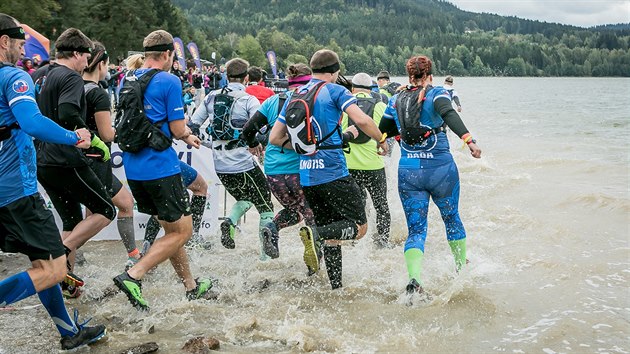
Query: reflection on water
(546, 212)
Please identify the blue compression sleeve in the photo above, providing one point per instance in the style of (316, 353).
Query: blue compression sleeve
(52, 299)
(16, 288)
(36, 125)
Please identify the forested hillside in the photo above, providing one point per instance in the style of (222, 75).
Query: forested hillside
(370, 35)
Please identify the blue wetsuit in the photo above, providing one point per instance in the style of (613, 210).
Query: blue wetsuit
(428, 171)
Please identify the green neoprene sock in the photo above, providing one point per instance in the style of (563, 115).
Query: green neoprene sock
(413, 258)
(239, 209)
(458, 248)
(265, 218)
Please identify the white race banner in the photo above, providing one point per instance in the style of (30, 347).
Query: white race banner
(200, 160)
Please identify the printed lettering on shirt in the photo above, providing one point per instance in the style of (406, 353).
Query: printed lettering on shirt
(419, 155)
(312, 164)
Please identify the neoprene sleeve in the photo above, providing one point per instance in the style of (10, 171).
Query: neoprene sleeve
(253, 125)
(444, 107)
(36, 125)
(70, 116)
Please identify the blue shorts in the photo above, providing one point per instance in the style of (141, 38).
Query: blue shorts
(189, 174)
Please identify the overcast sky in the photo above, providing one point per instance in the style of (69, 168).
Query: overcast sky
(583, 13)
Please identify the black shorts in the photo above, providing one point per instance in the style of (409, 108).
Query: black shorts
(338, 200)
(71, 187)
(165, 197)
(104, 172)
(28, 227)
(250, 186)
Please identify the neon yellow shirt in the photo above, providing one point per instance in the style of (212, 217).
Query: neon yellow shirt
(365, 156)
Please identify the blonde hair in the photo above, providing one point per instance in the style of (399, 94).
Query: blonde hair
(134, 61)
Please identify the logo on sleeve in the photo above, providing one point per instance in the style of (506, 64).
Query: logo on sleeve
(20, 86)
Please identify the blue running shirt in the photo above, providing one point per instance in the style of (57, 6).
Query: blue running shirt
(325, 165)
(162, 103)
(276, 162)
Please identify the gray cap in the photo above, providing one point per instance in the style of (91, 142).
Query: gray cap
(362, 80)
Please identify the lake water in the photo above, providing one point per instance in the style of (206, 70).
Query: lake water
(547, 213)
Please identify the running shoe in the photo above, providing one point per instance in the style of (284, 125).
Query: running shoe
(227, 234)
(270, 240)
(133, 289)
(73, 279)
(70, 291)
(312, 250)
(145, 247)
(201, 291)
(414, 288)
(85, 336)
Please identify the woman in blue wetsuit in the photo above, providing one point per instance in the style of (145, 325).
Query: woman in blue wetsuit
(420, 113)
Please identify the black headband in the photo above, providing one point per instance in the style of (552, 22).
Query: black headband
(328, 69)
(74, 49)
(238, 76)
(13, 32)
(362, 87)
(160, 48)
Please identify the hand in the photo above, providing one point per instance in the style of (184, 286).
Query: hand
(102, 149)
(84, 138)
(383, 148)
(353, 130)
(256, 150)
(192, 140)
(459, 108)
(475, 151)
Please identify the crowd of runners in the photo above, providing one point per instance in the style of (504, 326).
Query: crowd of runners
(320, 144)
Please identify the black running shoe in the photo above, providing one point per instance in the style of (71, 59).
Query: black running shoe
(270, 240)
(227, 234)
(133, 289)
(415, 290)
(413, 287)
(85, 336)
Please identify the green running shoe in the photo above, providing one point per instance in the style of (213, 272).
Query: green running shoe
(311, 249)
(227, 234)
(202, 291)
(133, 289)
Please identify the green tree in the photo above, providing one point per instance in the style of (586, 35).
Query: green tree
(516, 67)
(250, 50)
(456, 67)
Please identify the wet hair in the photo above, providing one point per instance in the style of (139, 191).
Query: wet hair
(236, 69)
(156, 38)
(134, 61)
(255, 74)
(99, 54)
(70, 41)
(323, 58)
(419, 69)
(298, 69)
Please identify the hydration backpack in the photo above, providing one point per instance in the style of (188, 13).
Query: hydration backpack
(299, 120)
(392, 88)
(409, 110)
(223, 126)
(134, 131)
(367, 105)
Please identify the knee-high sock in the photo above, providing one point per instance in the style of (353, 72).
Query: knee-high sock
(334, 266)
(238, 210)
(52, 299)
(153, 228)
(127, 234)
(413, 258)
(197, 207)
(15, 288)
(338, 230)
(458, 248)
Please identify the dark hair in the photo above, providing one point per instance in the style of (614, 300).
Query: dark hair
(72, 40)
(7, 22)
(323, 58)
(236, 69)
(99, 54)
(298, 69)
(255, 74)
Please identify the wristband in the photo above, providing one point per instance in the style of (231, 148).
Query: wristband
(467, 137)
(471, 141)
(79, 140)
(383, 138)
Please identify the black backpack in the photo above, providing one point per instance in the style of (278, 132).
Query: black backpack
(223, 127)
(409, 110)
(367, 105)
(299, 115)
(392, 88)
(134, 131)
